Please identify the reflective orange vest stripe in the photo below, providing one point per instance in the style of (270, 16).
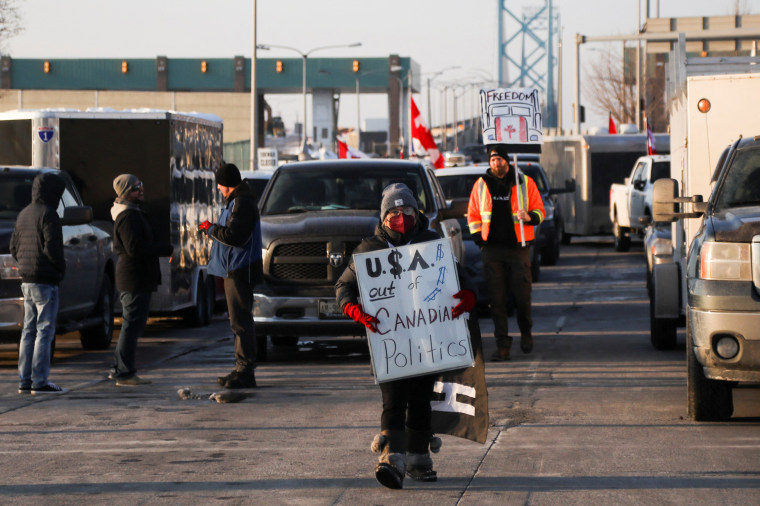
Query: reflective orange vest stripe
(480, 207)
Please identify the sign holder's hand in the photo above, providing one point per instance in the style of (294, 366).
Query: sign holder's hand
(357, 314)
(467, 298)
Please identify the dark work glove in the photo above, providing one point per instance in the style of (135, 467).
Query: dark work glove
(478, 239)
(203, 227)
(467, 298)
(355, 312)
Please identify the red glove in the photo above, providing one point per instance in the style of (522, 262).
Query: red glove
(467, 298)
(355, 312)
(203, 227)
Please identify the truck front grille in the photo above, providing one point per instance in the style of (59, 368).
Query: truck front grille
(309, 261)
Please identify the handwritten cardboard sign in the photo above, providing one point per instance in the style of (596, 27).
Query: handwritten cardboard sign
(410, 290)
(512, 116)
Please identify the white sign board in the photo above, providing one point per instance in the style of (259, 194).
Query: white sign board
(410, 290)
(267, 158)
(511, 116)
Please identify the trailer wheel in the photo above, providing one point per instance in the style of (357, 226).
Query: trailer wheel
(99, 336)
(662, 331)
(622, 241)
(708, 400)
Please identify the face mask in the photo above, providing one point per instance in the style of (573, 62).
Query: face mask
(401, 223)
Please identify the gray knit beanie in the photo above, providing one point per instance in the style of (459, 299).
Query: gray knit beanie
(125, 183)
(395, 195)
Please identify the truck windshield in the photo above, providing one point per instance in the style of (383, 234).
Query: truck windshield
(15, 194)
(741, 185)
(337, 188)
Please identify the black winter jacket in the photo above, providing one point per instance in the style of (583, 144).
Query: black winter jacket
(347, 287)
(138, 269)
(37, 240)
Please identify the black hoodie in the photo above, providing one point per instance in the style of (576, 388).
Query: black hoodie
(37, 240)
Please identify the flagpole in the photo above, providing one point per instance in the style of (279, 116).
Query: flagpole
(517, 186)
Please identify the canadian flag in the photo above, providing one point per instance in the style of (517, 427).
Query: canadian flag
(346, 151)
(612, 128)
(650, 142)
(423, 139)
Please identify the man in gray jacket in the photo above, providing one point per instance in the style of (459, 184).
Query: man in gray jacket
(37, 247)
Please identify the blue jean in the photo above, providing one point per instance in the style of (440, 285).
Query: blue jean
(40, 313)
(135, 306)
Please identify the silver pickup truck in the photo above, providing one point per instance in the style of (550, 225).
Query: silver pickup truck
(87, 290)
(313, 215)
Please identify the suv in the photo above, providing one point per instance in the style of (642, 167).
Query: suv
(722, 280)
(87, 291)
(313, 215)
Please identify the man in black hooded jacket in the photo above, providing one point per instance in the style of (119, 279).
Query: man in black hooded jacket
(37, 247)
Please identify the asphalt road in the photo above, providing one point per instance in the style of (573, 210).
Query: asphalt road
(593, 416)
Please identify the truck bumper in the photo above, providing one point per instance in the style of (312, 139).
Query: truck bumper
(302, 317)
(708, 327)
(11, 314)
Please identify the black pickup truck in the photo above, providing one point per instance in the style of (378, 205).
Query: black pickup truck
(313, 215)
(87, 290)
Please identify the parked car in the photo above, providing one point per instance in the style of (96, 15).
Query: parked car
(475, 153)
(457, 184)
(453, 159)
(257, 180)
(86, 294)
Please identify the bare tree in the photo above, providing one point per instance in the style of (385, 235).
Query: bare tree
(608, 91)
(10, 20)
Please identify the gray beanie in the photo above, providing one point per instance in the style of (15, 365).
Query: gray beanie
(124, 183)
(395, 195)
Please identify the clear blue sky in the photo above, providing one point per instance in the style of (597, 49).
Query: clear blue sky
(435, 33)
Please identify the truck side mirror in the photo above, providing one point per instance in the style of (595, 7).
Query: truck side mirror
(76, 215)
(664, 204)
(570, 185)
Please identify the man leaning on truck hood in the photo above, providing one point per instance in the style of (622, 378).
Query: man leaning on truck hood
(236, 257)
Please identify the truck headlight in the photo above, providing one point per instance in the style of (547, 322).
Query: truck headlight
(8, 268)
(725, 261)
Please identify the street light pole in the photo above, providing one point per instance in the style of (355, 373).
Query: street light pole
(304, 56)
(430, 80)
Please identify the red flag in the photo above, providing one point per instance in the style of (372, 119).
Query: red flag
(650, 142)
(342, 149)
(346, 151)
(424, 138)
(613, 130)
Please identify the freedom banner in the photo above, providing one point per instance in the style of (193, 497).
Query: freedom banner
(512, 116)
(410, 290)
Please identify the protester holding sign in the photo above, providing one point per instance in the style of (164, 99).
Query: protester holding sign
(502, 216)
(405, 423)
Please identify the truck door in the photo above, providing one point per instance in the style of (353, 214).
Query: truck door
(636, 200)
(77, 290)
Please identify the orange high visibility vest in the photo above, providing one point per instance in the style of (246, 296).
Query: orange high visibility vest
(480, 207)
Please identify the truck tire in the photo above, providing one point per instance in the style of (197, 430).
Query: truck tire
(99, 336)
(622, 241)
(708, 400)
(199, 314)
(662, 331)
(550, 254)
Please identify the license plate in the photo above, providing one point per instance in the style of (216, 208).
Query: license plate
(329, 309)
